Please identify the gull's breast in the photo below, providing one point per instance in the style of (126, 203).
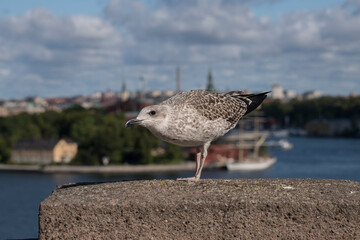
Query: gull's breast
(192, 131)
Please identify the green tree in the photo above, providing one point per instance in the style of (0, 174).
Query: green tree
(301, 112)
(4, 150)
(108, 141)
(83, 129)
(98, 133)
(48, 123)
(173, 154)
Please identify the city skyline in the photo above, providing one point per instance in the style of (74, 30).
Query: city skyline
(276, 91)
(53, 48)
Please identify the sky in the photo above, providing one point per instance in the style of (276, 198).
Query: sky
(51, 48)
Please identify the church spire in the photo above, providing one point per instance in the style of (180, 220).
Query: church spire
(210, 84)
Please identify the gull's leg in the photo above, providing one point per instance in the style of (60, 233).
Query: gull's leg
(198, 163)
(204, 154)
(198, 159)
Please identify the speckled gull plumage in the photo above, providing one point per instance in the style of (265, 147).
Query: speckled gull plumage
(196, 118)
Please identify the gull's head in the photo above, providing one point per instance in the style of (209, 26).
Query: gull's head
(153, 116)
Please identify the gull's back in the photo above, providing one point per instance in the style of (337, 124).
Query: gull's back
(211, 105)
(200, 116)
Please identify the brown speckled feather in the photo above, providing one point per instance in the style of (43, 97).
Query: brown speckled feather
(211, 105)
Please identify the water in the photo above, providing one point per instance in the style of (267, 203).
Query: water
(21, 193)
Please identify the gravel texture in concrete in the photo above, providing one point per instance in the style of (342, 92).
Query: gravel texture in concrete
(207, 209)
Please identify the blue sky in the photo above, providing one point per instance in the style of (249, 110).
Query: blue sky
(276, 10)
(64, 48)
(58, 7)
(95, 7)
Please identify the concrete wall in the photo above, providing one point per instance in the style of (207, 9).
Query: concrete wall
(208, 209)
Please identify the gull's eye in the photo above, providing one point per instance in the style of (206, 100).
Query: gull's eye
(152, 113)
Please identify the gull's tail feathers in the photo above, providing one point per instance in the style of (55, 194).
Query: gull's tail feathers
(252, 100)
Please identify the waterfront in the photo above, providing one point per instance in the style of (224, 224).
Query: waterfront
(326, 158)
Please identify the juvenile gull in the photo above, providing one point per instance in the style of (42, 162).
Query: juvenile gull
(197, 117)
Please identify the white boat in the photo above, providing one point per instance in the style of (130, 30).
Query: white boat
(250, 165)
(281, 133)
(249, 144)
(283, 144)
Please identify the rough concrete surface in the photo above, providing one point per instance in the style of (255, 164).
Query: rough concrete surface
(208, 209)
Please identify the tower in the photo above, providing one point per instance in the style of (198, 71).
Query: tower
(210, 84)
(143, 87)
(178, 80)
(123, 86)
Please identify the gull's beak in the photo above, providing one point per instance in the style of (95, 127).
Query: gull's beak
(131, 122)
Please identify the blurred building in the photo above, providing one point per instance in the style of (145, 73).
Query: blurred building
(44, 151)
(3, 112)
(169, 93)
(38, 101)
(124, 95)
(290, 94)
(58, 104)
(352, 94)
(312, 94)
(95, 96)
(155, 93)
(277, 92)
(29, 105)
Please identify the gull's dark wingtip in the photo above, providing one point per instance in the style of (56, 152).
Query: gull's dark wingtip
(256, 100)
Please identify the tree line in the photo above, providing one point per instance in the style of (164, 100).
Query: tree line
(297, 113)
(98, 134)
(101, 134)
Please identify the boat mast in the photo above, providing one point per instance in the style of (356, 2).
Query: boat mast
(241, 142)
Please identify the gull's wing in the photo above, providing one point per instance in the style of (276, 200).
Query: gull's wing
(211, 105)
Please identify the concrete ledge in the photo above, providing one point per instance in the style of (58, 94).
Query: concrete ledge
(208, 209)
(188, 166)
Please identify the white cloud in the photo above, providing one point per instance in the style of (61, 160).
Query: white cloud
(301, 51)
(227, 35)
(57, 48)
(196, 23)
(4, 72)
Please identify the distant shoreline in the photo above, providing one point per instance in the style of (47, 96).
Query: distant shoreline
(190, 166)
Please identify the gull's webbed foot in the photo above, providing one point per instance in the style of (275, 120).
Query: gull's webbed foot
(189, 179)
